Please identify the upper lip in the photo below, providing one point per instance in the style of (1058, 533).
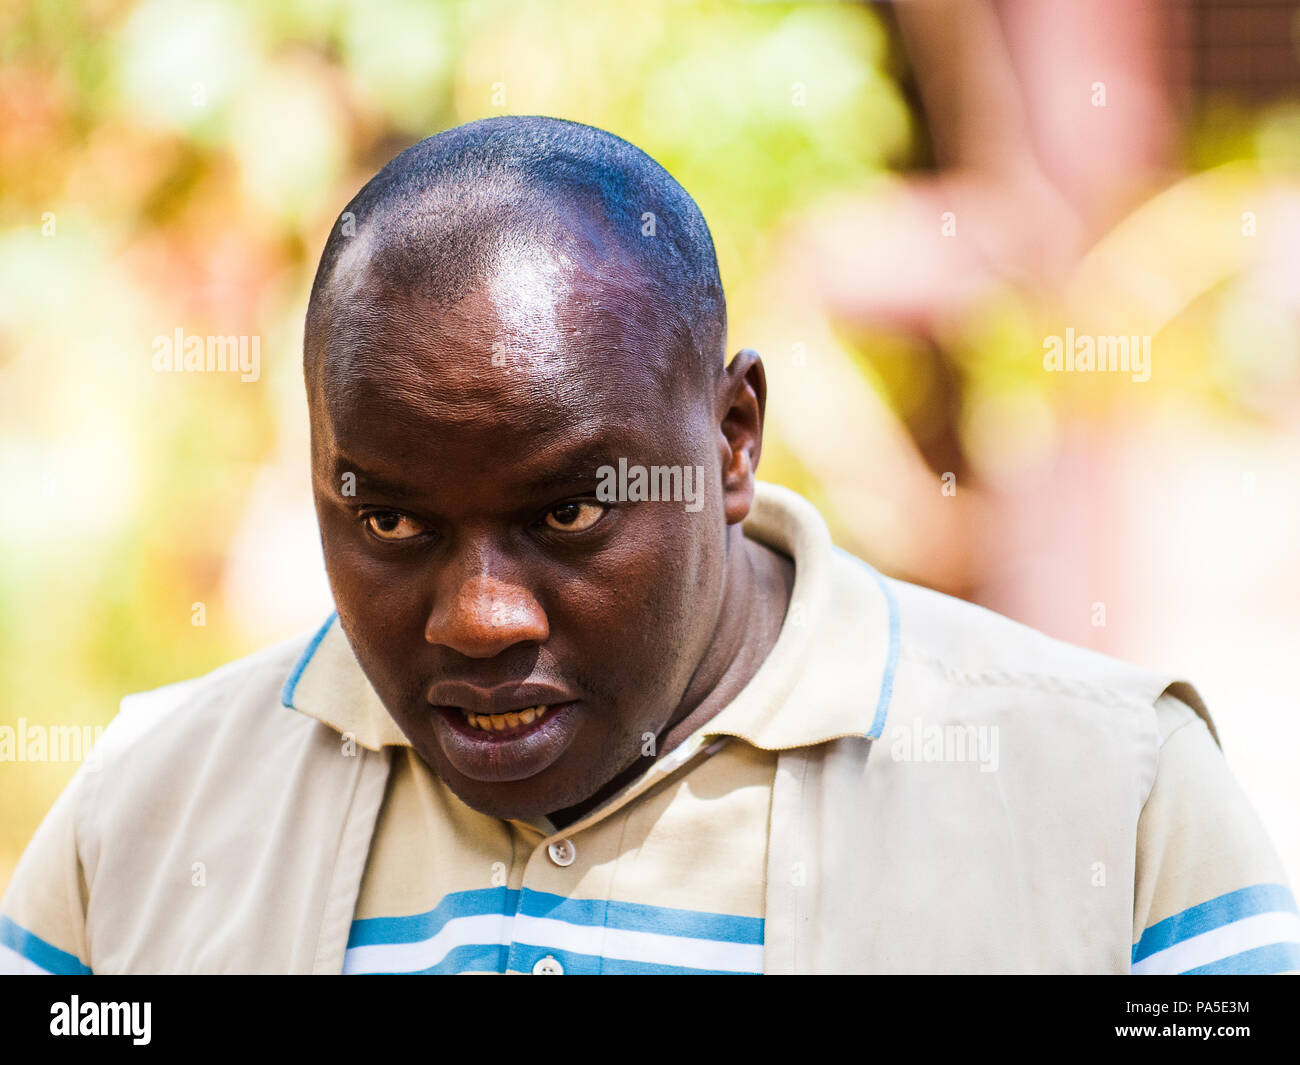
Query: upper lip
(502, 699)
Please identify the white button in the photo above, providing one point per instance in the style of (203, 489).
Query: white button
(563, 852)
(548, 966)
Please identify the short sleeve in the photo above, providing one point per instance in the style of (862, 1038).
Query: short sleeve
(43, 913)
(1210, 893)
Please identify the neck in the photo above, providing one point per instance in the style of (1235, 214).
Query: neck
(757, 593)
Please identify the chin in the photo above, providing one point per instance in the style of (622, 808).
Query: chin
(505, 801)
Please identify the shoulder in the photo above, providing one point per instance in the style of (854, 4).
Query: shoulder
(949, 651)
(241, 690)
(206, 758)
(202, 742)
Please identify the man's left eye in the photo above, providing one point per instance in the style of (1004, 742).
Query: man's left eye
(389, 525)
(574, 517)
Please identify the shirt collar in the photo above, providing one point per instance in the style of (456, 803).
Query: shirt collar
(829, 675)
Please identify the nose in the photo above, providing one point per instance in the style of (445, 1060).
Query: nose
(480, 615)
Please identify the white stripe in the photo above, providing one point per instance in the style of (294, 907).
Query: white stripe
(494, 929)
(488, 929)
(14, 964)
(639, 946)
(1260, 930)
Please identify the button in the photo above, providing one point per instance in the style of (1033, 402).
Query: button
(563, 852)
(548, 966)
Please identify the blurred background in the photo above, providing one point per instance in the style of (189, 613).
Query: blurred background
(907, 199)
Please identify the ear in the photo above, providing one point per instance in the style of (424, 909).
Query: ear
(742, 399)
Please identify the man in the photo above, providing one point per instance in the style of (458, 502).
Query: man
(597, 701)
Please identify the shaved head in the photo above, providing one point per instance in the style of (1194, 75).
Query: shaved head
(517, 201)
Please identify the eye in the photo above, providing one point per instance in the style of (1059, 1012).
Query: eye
(574, 517)
(392, 526)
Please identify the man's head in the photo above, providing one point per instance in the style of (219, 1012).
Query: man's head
(502, 311)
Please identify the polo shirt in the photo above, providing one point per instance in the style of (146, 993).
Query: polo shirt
(674, 874)
(667, 876)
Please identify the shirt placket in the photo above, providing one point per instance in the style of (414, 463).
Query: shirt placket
(554, 933)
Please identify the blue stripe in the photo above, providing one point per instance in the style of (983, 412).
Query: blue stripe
(35, 949)
(621, 967)
(525, 955)
(374, 931)
(1234, 906)
(290, 685)
(638, 917)
(1262, 961)
(625, 916)
(891, 661)
(877, 728)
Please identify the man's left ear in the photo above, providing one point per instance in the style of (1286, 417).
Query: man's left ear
(742, 398)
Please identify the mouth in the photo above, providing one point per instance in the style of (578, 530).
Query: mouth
(512, 745)
(505, 722)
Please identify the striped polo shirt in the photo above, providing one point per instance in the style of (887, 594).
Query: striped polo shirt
(667, 876)
(671, 882)
(670, 875)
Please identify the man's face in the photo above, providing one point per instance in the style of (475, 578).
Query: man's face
(454, 458)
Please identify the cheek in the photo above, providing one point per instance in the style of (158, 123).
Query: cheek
(357, 572)
(642, 613)
(381, 613)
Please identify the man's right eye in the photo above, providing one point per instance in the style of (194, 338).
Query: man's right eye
(391, 526)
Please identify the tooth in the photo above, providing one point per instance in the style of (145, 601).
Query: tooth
(473, 720)
(526, 716)
(499, 722)
(541, 710)
(512, 719)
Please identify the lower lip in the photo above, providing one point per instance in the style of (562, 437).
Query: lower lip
(513, 754)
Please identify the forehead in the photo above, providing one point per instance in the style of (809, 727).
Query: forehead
(548, 352)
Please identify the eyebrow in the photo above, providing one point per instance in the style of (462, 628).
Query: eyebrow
(581, 464)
